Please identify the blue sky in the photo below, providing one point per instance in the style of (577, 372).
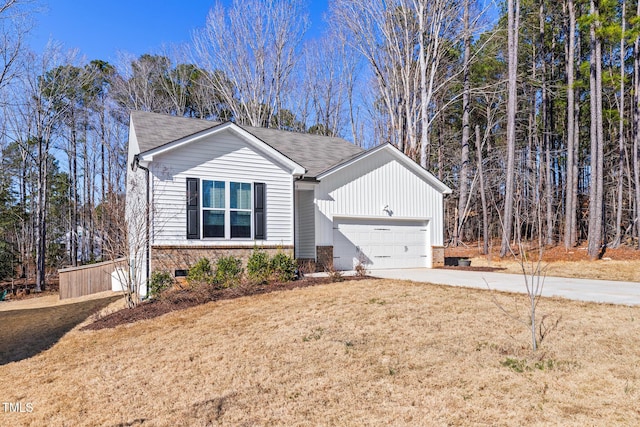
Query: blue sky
(99, 29)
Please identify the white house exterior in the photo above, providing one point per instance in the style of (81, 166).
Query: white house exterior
(216, 188)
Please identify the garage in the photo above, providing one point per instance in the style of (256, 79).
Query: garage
(380, 243)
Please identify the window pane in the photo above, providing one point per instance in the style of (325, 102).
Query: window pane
(213, 194)
(240, 224)
(240, 195)
(213, 223)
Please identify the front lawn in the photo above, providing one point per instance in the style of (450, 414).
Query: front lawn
(368, 352)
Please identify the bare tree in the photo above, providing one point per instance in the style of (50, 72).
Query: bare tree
(141, 85)
(14, 26)
(38, 116)
(329, 68)
(405, 44)
(249, 51)
(127, 238)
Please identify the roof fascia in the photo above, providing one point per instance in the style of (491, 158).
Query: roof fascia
(257, 143)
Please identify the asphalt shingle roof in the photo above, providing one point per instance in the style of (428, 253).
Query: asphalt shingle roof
(313, 152)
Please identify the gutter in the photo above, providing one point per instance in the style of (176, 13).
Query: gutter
(134, 167)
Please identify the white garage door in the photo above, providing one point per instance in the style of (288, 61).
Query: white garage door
(380, 243)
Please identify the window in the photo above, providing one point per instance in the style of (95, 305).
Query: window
(240, 210)
(229, 210)
(213, 209)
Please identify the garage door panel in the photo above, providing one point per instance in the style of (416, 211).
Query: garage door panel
(384, 243)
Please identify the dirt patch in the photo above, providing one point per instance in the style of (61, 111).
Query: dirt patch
(184, 298)
(27, 332)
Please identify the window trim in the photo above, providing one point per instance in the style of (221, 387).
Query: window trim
(204, 209)
(227, 210)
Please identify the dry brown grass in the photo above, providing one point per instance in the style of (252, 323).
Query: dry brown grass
(622, 264)
(373, 352)
(626, 271)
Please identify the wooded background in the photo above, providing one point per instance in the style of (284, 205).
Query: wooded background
(530, 113)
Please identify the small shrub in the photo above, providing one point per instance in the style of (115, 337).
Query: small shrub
(522, 365)
(200, 273)
(518, 365)
(228, 271)
(284, 267)
(335, 275)
(315, 335)
(259, 266)
(361, 270)
(159, 282)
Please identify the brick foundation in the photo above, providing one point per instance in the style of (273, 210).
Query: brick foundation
(437, 253)
(171, 258)
(324, 256)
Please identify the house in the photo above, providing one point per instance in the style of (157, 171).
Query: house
(197, 188)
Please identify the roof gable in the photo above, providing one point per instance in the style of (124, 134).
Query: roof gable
(398, 155)
(258, 144)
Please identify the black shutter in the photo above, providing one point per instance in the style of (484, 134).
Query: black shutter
(259, 218)
(193, 209)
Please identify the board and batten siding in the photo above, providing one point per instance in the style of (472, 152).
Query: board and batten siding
(365, 187)
(305, 230)
(223, 157)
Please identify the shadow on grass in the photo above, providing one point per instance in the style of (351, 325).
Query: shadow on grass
(25, 333)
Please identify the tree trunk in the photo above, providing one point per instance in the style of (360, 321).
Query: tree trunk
(636, 129)
(41, 216)
(597, 140)
(483, 197)
(513, 15)
(464, 157)
(570, 221)
(621, 141)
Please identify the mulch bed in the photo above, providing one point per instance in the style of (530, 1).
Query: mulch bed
(185, 298)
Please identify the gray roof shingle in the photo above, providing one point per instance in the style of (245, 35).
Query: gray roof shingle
(313, 152)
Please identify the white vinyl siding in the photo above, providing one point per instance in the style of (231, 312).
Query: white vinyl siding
(224, 156)
(305, 232)
(367, 186)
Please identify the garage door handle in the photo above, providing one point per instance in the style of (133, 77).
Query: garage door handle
(382, 229)
(382, 256)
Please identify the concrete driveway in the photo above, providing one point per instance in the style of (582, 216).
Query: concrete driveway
(627, 293)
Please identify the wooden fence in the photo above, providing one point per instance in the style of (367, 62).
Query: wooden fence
(88, 279)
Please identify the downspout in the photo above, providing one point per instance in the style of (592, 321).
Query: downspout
(135, 165)
(294, 218)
